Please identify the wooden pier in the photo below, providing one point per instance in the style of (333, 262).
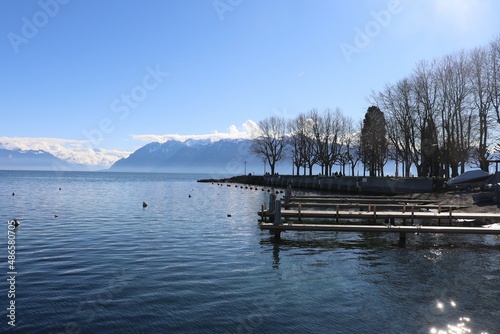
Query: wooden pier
(367, 214)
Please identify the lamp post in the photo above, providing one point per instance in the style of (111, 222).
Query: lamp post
(245, 168)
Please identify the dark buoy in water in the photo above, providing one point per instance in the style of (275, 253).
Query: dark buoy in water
(59, 188)
(13, 194)
(144, 204)
(228, 215)
(15, 222)
(55, 216)
(189, 195)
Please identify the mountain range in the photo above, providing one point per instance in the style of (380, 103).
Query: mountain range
(17, 159)
(226, 156)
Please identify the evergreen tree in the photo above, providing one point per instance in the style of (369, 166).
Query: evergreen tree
(374, 142)
(430, 150)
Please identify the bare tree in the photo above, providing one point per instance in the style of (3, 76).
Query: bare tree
(320, 133)
(332, 127)
(349, 152)
(426, 96)
(271, 142)
(494, 70)
(401, 122)
(482, 89)
(314, 139)
(300, 142)
(465, 119)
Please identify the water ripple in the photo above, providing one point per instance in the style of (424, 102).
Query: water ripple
(181, 265)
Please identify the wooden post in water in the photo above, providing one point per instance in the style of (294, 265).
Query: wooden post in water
(277, 218)
(402, 239)
(272, 206)
(288, 195)
(439, 211)
(300, 208)
(277, 212)
(272, 201)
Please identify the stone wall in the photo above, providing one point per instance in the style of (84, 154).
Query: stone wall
(351, 184)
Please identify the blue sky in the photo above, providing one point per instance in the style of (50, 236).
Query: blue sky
(94, 80)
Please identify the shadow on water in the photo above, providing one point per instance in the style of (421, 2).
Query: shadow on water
(329, 241)
(378, 241)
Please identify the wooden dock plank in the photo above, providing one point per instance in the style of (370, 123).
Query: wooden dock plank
(308, 216)
(363, 199)
(379, 228)
(325, 214)
(364, 206)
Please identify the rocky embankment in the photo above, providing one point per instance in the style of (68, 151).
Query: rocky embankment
(243, 179)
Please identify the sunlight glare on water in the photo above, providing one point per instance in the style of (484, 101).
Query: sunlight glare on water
(463, 325)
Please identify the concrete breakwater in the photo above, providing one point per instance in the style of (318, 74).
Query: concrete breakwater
(347, 184)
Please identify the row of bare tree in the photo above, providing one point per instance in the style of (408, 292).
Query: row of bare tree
(444, 115)
(313, 138)
(439, 119)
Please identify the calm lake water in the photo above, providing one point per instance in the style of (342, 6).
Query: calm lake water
(105, 264)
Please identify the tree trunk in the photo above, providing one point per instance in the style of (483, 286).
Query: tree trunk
(454, 169)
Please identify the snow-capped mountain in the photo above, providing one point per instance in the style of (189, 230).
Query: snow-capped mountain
(226, 156)
(17, 159)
